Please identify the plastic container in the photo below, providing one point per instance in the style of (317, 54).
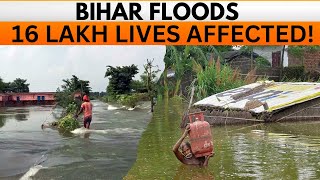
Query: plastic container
(200, 135)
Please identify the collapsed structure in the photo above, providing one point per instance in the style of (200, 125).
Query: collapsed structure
(264, 101)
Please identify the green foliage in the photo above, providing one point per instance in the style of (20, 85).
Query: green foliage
(297, 51)
(247, 49)
(138, 86)
(128, 100)
(120, 79)
(72, 108)
(68, 123)
(293, 73)
(75, 84)
(215, 79)
(179, 59)
(261, 62)
(149, 78)
(18, 85)
(65, 97)
(2, 85)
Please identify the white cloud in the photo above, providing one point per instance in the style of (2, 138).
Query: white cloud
(45, 66)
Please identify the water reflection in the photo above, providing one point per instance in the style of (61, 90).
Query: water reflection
(21, 117)
(193, 173)
(263, 151)
(2, 120)
(18, 114)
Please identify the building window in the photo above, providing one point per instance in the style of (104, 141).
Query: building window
(18, 98)
(42, 98)
(39, 98)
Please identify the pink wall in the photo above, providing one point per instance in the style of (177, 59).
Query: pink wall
(4, 98)
(32, 96)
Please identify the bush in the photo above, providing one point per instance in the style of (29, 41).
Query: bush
(293, 73)
(142, 96)
(72, 108)
(261, 62)
(215, 79)
(63, 99)
(128, 100)
(68, 123)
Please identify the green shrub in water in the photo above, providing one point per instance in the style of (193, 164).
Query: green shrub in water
(71, 108)
(68, 123)
(128, 100)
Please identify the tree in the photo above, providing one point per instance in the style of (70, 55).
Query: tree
(168, 62)
(120, 79)
(75, 84)
(150, 83)
(181, 59)
(138, 85)
(7, 87)
(65, 97)
(19, 85)
(2, 85)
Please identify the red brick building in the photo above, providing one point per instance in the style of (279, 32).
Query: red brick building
(310, 60)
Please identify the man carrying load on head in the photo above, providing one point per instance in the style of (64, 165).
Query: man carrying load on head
(186, 155)
(86, 108)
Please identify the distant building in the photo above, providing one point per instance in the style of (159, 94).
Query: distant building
(31, 98)
(239, 60)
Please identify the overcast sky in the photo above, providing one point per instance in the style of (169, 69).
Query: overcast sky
(45, 66)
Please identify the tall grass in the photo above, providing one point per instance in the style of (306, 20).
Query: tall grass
(215, 78)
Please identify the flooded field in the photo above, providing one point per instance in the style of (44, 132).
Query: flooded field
(264, 151)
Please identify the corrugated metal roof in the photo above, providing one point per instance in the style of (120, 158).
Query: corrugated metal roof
(276, 95)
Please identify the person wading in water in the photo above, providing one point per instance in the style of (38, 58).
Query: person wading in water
(86, 108)
(186, 156)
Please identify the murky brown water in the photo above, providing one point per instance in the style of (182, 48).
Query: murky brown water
(266, 151)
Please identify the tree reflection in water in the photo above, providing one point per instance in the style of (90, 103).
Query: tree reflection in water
(195, 173)
(2, 121)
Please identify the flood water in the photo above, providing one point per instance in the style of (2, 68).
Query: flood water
(111, 150)
(106, 152)
(263, 151)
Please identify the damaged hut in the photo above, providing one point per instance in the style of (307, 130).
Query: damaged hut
(264, 101)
